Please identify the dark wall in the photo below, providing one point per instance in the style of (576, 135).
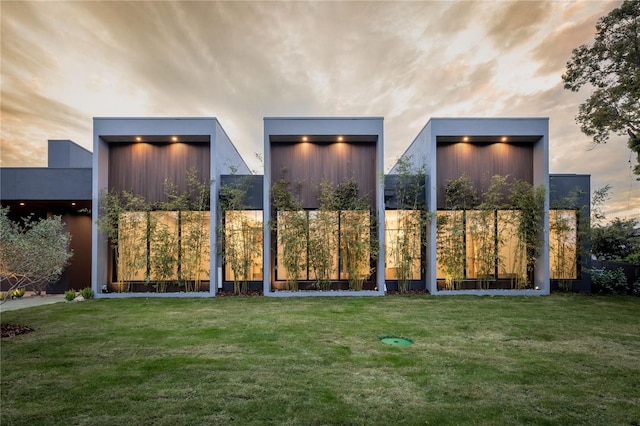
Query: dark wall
(310, 163)
(393, 182)
(80, 268)
(78, 274)
(481, 161)
(38, 183)
(254, 186)
(143, 167)
(570, 191)
(574, 192)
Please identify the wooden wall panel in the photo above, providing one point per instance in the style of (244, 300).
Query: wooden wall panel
(143, 167)
(310, 163)
(80, 264)
(481, 161)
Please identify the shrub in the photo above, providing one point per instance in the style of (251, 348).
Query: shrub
(34, 251)
(3, 295)
(69, 295)
(87, 293)
(18, 292)
(607, 281)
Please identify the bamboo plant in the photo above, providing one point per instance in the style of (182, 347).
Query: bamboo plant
(460, 196)
(568, 227)
(195, 233)
(241, 235)
(291, 226)
(323, 238)
(158, 244)
(123, 218)
(358, 244)
(529, 201)
(412, 217)
(487, 237)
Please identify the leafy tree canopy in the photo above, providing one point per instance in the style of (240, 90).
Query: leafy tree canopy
(611, 66)
(33, 252)
(616, 241)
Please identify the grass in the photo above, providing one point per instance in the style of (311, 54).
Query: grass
(562, 359)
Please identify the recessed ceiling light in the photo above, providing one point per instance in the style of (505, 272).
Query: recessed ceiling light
(138, 139)
(174, 138)
(73, 204)
(304, 139)
(340, 138)
(22, 204)
(465, 139)
(503, 139)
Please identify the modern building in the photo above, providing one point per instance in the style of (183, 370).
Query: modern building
(305, 153)
(150, 158)
(448, 148)
(62, 188)
(167, 207)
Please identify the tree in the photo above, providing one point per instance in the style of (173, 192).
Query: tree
(33, 253)
(611, 66)
(616, 241)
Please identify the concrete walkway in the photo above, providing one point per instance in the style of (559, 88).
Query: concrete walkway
(27, 301)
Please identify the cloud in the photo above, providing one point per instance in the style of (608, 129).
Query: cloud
(66, 62)
(577, 28)
(513, 25)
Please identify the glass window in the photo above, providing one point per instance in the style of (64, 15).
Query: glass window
(474, 244)
(563, 244)
(292, 244)
(511, 251)
(243, 245)
(194, 239)
(480, 244)
(163, 246)
(450, 248)
(323, 245)
(354, 244)
(132, 246)
(402, 245)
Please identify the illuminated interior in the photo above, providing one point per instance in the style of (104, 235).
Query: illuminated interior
(563, 247)
(343, 236)
(479, 245)
(177, 240)
(194, 242)
(132, 246)
(291, 223)
(402, 244)
(355, 249)
(511, 251)
(163, 245)
(323, 238)
(450, 245)
(243, 245)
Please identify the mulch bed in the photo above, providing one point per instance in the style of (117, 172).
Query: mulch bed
(10, 330)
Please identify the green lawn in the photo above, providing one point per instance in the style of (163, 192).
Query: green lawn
(562, 359)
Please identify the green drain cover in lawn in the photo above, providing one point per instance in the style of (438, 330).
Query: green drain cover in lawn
(396, 341)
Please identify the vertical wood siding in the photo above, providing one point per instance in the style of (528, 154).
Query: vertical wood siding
(481, 161)
(310, 163)
(143, 167)
(79, 268)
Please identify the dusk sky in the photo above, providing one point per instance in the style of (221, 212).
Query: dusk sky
(63, 63)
